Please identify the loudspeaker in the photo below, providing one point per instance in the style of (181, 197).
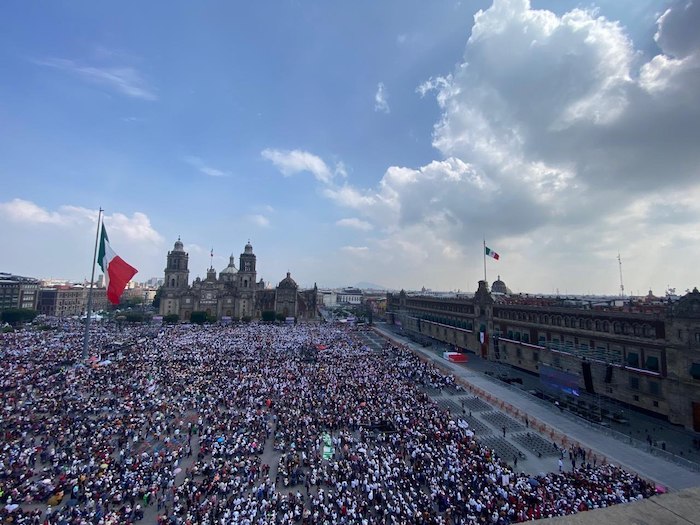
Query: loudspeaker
(608, 374)
(587, 378)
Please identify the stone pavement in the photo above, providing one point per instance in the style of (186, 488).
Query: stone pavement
(551, 423)
(667, 509)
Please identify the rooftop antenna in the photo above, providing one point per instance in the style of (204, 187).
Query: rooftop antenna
(622, 286)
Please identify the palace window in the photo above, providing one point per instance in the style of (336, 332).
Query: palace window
(652, 363)
(633, 359)
(654, 388)
(634, 383)
(695, 370)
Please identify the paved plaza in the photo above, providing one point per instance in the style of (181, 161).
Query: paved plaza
(270, 424)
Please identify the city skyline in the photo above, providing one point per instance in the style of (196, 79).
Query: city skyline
(378, 142)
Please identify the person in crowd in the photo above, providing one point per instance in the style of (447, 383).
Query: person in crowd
(237, 424)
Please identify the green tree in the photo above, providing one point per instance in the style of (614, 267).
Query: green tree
(199, 317)
(134, 317)
(171, 319)
(268, 316)
(156, 299)
(279, 317)
(15, 316)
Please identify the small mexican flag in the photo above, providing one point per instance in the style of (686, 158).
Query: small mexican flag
(491, 253)
(116, 270)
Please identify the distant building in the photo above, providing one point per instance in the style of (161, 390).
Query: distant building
(18, 292)
(645, 354)
(63, 301)
(327, 298)
(350, 296)
(234, 294)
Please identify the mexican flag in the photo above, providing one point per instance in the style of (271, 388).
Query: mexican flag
(116, 270)
(491, 253)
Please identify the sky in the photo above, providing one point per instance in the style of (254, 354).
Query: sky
(367, 141)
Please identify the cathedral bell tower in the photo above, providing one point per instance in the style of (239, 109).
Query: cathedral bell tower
(246, 282)
(247, 265)
(176, 272)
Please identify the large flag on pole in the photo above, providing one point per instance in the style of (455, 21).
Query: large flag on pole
(491, 253)
(116, 270)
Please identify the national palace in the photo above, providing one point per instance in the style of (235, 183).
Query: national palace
(646, 355)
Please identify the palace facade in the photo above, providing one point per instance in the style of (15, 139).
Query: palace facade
(646, 356)
(234, 293)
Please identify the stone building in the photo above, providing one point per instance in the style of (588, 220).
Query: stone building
(63, 301)
(18, 292)
(234, 294)
(646, 359)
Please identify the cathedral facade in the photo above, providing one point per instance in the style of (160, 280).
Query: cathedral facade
(234, 294)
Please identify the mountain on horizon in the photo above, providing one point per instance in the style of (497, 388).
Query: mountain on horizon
(364, 285)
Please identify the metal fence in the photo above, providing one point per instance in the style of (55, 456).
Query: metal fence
(624, 438)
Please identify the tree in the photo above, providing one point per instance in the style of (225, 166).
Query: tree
(171, 319)
(134, 317)
(268, 316)
(15, 316)
(280, 317)
(156, 298)
(199, 317)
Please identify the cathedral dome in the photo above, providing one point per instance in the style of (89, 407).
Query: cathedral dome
(499, 286)
(179, 247)
(688, 306)
(248, 248)
(231, 268)
(287, 282)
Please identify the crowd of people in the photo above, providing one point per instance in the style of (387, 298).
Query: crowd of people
(253, 424)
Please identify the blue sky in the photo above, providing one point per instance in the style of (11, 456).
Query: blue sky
(351, 141)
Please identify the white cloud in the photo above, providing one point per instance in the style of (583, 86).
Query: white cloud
(556, 136)
(349, 196)
(356, 250)
(259, 220)
(19, 210)
(67, 235)
(381, 97)
(203, 168)
(136, 228)
(355, 223)
(193, 248)
(291, 162)
(121, 79)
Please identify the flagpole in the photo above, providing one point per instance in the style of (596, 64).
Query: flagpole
(86, 337)
(484, 253)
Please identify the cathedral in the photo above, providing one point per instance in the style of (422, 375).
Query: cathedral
(234, 294)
